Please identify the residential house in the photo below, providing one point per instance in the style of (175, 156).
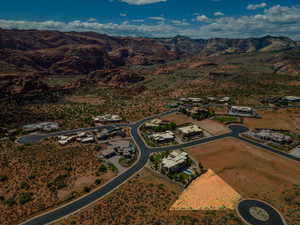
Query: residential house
(269, 135)
(174, 162)
(107, 118)
(153, 124)
(108, 153)
(242, 111)
(190, 131)
(45, 126)
(291, 98)
(224, 100)
(162, 136)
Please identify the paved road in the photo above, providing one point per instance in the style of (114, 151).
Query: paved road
(145, 151)
(244, 210)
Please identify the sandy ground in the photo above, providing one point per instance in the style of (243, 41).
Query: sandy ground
(213, 127)
(241, 170)
(208, 192)
(178, 118)
(281, 119)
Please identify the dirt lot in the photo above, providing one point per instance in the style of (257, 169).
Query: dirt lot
(280, 119)
(178, 118)
(254, 173)
(213, 127)
(37, 177)
(208, 191)
(146, 199)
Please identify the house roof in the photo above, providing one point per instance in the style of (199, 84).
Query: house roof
(190, 129)
(242, 108)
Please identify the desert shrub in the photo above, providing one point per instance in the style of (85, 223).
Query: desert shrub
(102, 169)
(98, 181)
(10, 202)
(58, 183)
(3, 178)
(24, 185)
(25, 197)
(31, 177)
(113, 168)
(87, 189)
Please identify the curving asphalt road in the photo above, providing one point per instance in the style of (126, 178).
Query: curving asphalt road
(244, 207)
(144, 153)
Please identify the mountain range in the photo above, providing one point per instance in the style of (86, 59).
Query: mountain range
(28, 54)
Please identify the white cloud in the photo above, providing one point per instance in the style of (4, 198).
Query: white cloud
(138, 21)
(160, 18)
(256, 6)
(92, 19)
(142, 2)
(201, 18)
(179, 22)
(123, 14)
(218, 14)
(277, 20)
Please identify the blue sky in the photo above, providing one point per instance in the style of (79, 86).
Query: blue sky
(157, 18)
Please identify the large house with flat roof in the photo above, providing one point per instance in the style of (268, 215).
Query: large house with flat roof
(291, 98)
(189, 131)
(242, 111)
(161, 137)
(174, 162)
(107, 118)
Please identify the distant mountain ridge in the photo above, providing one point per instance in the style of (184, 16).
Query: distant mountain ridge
(33, 53)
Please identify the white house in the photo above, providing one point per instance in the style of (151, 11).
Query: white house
(242, 111)
(162, 136)
(174, 162)
(190, 131)
(107, 118)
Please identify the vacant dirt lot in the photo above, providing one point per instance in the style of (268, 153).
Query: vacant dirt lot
(208, 191)
(280, 119)
(252, 172)
(213, 127)
(178, 118)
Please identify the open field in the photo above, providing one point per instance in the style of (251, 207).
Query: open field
(288, 119)
(252, 173)
(146, 199)
(35, 178)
